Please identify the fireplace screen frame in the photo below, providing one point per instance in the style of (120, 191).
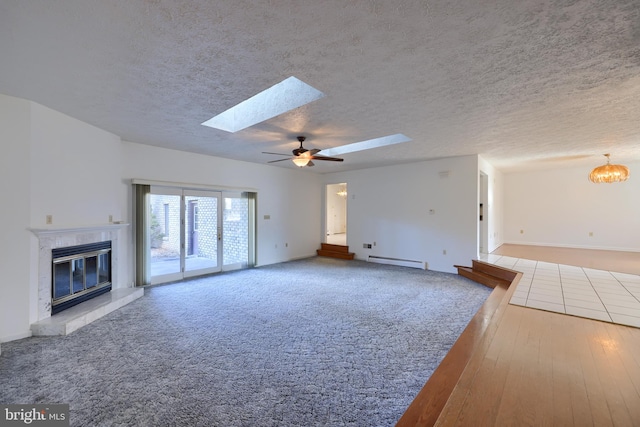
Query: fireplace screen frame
(86, 269)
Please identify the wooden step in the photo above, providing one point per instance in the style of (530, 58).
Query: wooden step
(331, 254)
(335, 251)
(334, 248)
(494, 270)
(487, 274)
(482, 277)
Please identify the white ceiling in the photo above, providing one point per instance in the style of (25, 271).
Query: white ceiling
(527, 84)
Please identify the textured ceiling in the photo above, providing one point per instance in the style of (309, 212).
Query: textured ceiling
(526, 84)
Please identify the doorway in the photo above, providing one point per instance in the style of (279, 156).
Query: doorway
(336, 214)
(483, 223)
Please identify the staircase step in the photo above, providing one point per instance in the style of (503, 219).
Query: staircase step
(482, 277)
(335, 254)
(493, 270)
(334, 248)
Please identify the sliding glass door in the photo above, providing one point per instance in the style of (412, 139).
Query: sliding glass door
(235, 223)
(202, 232)
(196, 232)
(165, 235)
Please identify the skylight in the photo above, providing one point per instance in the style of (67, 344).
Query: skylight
(278, 99)
(366, 145)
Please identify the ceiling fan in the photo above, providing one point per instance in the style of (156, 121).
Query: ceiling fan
(303, 157)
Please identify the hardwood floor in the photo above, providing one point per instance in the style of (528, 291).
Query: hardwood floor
(532, 367)
(543, 368)
(621, 262)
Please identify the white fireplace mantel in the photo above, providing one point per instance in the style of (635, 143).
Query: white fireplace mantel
(82, 229)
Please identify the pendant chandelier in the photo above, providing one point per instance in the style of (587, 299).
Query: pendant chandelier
(609, 173)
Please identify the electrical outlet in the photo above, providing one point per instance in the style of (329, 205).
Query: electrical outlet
(591, 234)
(110, 219)
(286, 245)
(366, 245)
(49, 219)
(521, 231)
(444, 252)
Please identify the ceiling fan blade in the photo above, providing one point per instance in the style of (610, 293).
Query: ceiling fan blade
(313, 151)
(310, 163)
(278, 154)
(331, 159)
(281, 160)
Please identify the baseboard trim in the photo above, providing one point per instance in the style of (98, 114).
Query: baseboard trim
(569, 246)
(398, 261)
(14, 337)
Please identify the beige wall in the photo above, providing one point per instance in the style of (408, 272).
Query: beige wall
(560, 207)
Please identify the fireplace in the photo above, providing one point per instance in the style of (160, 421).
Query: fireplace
(50, 239)
(79, 273)
(90, 262)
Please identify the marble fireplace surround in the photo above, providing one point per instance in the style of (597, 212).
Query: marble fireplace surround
(75, 317)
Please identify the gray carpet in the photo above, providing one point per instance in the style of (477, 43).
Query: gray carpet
(315, 342)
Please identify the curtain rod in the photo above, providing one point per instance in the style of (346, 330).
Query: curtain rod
(191, 186)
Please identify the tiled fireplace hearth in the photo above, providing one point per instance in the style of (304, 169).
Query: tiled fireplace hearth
(69, 320)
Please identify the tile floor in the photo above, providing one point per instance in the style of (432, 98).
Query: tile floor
(578, 291)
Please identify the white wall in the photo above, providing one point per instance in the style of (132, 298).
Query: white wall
(494, 208)
(76, 171)
(390, 206)
(76, 177)
(15, 213)
(561, 207)
(44, 150)
(290, 197)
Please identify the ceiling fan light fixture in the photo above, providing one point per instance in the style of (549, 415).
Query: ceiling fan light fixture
(303, 157)
(301, 161)
(609, 173)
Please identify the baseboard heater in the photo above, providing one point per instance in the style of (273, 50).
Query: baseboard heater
(397, 261)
